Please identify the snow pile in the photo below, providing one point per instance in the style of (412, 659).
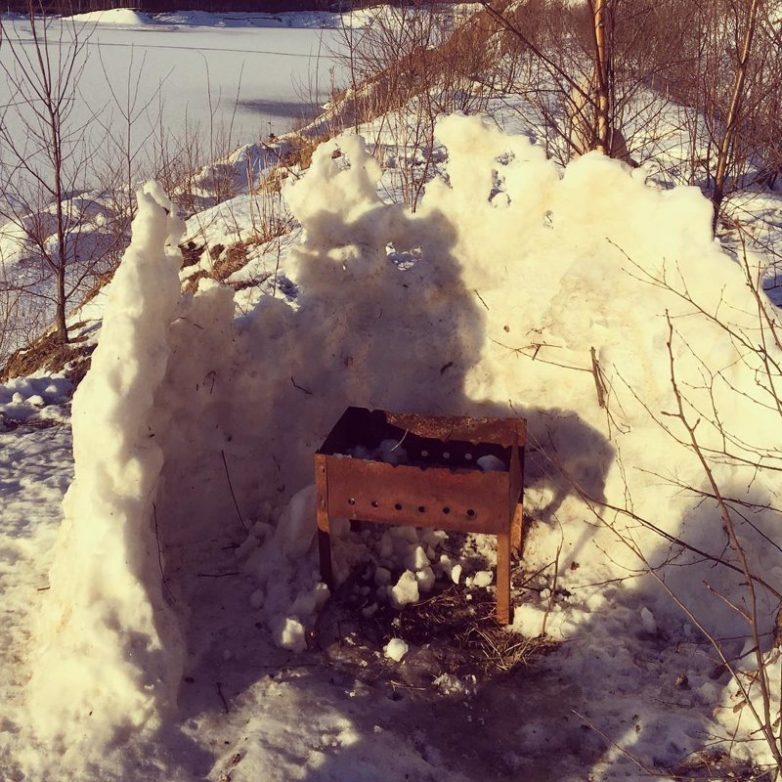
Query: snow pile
(525, 284)
(41, 397)
(519, 271)
(123, 17)
(109, 651)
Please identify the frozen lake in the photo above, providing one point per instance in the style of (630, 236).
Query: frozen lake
(257, 72)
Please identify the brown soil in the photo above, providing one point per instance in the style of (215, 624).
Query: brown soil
(46, 353)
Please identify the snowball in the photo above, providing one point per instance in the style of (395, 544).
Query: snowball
(406, 590)
(395, 649)
(291, 635)
(456, 573)
(483, 578)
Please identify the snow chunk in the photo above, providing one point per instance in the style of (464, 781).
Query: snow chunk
(109, 653)
(491, 463)
(648, 621)
(406, 589)
(483, 578)
(396, 649)
(426, 579)
(417, 559)
(291, 635)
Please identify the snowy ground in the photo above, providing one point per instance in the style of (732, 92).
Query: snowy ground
(183, 561)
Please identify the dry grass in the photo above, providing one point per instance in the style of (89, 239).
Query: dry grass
(48, 355)
(453, 631)
(717, 764)
(467, 632)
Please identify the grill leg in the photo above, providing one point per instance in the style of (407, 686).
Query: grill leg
(517, 529)
(324, 549)
(503, 578)
(324, 525)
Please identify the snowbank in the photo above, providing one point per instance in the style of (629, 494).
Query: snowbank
(109, 652)
(124, 17)
(510, 291)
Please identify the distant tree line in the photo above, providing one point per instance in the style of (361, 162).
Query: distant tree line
(67, 7)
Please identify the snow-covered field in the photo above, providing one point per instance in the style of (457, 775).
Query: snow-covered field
(167, 621)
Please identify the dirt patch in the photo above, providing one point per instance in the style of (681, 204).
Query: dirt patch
(49, 355)
(455, 644)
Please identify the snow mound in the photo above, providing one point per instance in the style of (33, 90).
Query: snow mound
(121, 17)
(109, 654)
(529, 283)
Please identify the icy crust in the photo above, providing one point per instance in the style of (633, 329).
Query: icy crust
(109, 654)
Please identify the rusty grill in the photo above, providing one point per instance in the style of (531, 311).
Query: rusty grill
(439, 483)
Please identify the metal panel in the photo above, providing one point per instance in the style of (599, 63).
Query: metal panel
(464, 500)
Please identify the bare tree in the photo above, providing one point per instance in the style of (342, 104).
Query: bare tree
(746, 21)
(46, 155)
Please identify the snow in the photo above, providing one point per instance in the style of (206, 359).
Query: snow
(23, 398)
(190, 556)
(114, 16)
(108, 653)
(396, 649)
(405, 590)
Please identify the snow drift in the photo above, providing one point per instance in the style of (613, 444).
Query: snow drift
(509, 291)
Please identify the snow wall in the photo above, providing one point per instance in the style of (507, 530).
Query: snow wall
(109, 650)
(492, 298)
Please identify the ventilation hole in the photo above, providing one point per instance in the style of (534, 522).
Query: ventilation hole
(398, 506)
(446, 455)
(352, 501)
(468, 457)
(424, 454)
(470, 513)
(446, 510)
(422, 509)
(374, 503)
